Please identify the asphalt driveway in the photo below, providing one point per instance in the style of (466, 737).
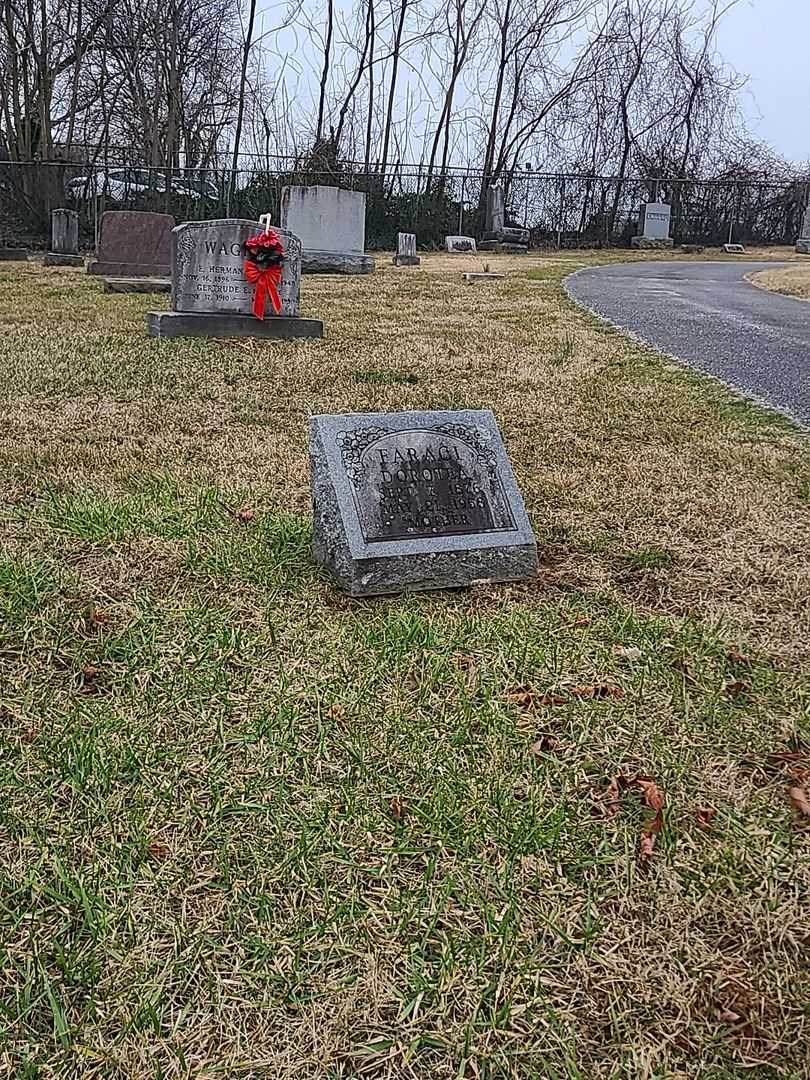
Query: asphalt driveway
(708, 315)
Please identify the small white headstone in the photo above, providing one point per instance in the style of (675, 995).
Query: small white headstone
(654, 221)
(460, 245)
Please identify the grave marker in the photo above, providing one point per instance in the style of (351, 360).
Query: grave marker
(416, 500)
(460, 245)
(406, 250)
(331, 224)
(64, 247)
(803, 243)
(133, 243)
(498, 236)
(653, 227)
(211, 294)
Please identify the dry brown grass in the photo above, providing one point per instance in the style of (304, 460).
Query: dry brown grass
(200, 740)
(790, 281)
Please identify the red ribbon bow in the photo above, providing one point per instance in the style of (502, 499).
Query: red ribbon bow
(266, 282)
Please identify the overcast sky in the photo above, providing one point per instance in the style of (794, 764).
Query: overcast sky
(770, 41)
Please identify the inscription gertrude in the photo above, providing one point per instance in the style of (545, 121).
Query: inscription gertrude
(424, 482)
(208, 267)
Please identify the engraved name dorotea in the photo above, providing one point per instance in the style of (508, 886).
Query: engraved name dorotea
(424, 483)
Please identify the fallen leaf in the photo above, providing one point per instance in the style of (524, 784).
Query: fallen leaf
(705, 816)
(335, 711)
(396, 808)
(582, 620)
(90, 672)
(526, 698)
(598, 691)
(158, 851)
(544, 745)
(646, 846)
(800, 800)
(94, 618)
(734, 657)
(653, 797)
(727, 1016)
(611, 798)
(734, 687)
(245, 514)
(627, 652)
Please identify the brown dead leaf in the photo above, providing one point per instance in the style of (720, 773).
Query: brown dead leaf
(653, 797)
(646, 846)
(735, 657)
(396, 808)
(799, 800)
(598, 691)
(705, 816)
(545, 744)
(626, 652)
(611, 799)
(335, 711)
(158, 851)
(734, 687)
(527, 698)
(90, 672)
(581, 620)
(245, 514)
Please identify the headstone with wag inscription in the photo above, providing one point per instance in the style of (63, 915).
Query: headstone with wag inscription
(64, 247)
(416, 500)
(211, 294)
(133, 243)
(406, 250)
(803, 243)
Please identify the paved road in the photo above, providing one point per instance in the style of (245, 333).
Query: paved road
(706, 314)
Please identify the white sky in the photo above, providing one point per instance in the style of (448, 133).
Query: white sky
(770, 41)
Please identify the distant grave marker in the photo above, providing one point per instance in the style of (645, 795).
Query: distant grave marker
(653, 226)
(133, 243)
(460, 245)
(64, 240)
(406, 250)
(416, 500)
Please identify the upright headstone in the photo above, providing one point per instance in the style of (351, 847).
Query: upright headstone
(12, 254)
(64, 247)
(803, 243)
(460, 245)
(331, 224)
(212, 297)
(498, 236)
(416, 500)
(133, 243)
(653, 227)
(406, 250)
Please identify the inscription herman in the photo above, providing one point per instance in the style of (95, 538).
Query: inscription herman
(209, 267)
(416, 501)
(419, 483)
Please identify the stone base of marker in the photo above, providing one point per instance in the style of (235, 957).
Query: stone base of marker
(55, 258)
(8, 254)
(650, 243)
(803, 247)
(503, 247)
(471, 278)
(334, 262)
(406, 260)
(137, 285)
(416, 501)
(177, 324)
(128, 270)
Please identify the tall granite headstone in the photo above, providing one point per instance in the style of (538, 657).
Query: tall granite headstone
(133, 243)
(331, 223)
(416, 500)
(406, 250)
(64, 246)
(498, 236)
(211, 297)
(803, 243)
(653, 227)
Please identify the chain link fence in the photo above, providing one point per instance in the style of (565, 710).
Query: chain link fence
(560, 211)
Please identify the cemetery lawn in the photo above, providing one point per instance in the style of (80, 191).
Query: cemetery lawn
(790, 281)
(253, 829)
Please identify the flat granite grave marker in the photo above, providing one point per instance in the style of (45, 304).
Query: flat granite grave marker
(653, 227)
(803, 243)
(406, 250)
(9, 254)
(212, 297)
(64, 249)
(460, 245)
(416, 500)
(133, 243)
(331, 223)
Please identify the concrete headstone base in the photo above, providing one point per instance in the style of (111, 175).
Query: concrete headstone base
(649, 243)
(137, 285)
(13, 254)
(803, 247)
(473, 277)
(124, 270)
(336, 262)
(174, 324)
(55, 258)
(406, 260)
(503, 247)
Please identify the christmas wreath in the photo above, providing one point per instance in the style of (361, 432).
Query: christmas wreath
(265, 255)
